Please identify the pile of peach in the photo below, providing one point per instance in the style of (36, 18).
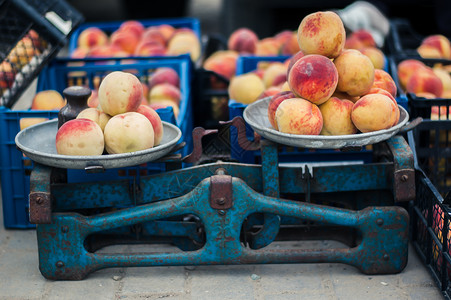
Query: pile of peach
(121, 124)
(327, 87)
(132, 38)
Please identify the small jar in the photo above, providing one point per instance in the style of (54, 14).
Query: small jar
(76, 101)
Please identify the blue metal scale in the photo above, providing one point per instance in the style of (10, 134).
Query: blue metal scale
(228, 213)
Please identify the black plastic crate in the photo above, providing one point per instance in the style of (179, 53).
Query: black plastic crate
(31, 34)
(402, 39)
(430, 231)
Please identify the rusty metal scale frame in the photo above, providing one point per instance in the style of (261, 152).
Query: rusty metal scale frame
(227, 212)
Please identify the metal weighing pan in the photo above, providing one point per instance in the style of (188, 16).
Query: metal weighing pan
(256, 115)
(38, 143)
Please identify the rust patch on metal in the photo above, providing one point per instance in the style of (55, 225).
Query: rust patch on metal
(404, 185)
(221, 192)
(40, 208)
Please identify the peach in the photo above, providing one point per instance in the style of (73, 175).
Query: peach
(439, 42)
(132, 26)
(27, 122)
(95, 115)
(128, 132)
(275, 74)
(384, 81)
(322, 33)
(406, 68)
(124, 40)
(294, 59)
(376, 56)
(299, 116)
(165, 91)
(47, 100)
(184, 42)
(291, 45)
(155, 120)
(91, 37)
(166, 30)
(243, 40)
(267, 47)
(425, 80)
(81, 137)
(149, 48)
(245, 88)
(372, 112)
(365, 37)
(428, 51)
(222, 62)
(313, 77)
(153, 34)
(355, 72)
(274, 104)
(163, 103)
(337, 117)
(444, 77)
(7, 75)
(120, 92)
(164, 75)
(353, 42)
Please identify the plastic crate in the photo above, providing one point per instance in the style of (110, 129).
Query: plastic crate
(286, 154)
(430, 224)
(31, 34)
(110, 27)
(15, 168)
(402, 38)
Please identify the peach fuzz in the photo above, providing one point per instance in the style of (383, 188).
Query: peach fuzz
(124, 40)
(128, 132)
(376, 56)
(384, 81)
(425, 80)
(92, 36)
(164, 75)
(155, 120)
(313, 77)
(299, 116)
(406, 68)
(120, 92)
(373, 112)
(355, 72)
(81, 137)
(322, 33)
(274, 104)
(184, 42)
(275, 74)
(267, 47)
(165, 91)
(95, 115)
(47, 100)
(222, 62)
(243, 40)
(439, 42)
(245, 88)
(337, 117)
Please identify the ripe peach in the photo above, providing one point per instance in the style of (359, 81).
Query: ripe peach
(439, 42)
(428, 51)
(120, 92)
(337, 117)
(372, 112)
(245, 88)
(128, 132)
(313, 77)
(222, 62)
(365, 37)
(48, 100)
(322, 33)
(243, 40)
(165, 91)
(149, 48)
(166, 30)
(376, 56)
(95, 115)
(92, 36)
(425, 80)
(163, 103)
(274, 104)
(164, 75)
(384, 80)
(406, 68)
(81, 137)
(299, 116)
(132, 26)
(183, 42)
(155, 120)
(355, 72)
(124, 40)
(275, 74)
(153, 34)
(267, 47)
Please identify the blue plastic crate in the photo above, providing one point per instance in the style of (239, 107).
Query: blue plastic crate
(110, 27)
(287, 154)
(15, 168)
